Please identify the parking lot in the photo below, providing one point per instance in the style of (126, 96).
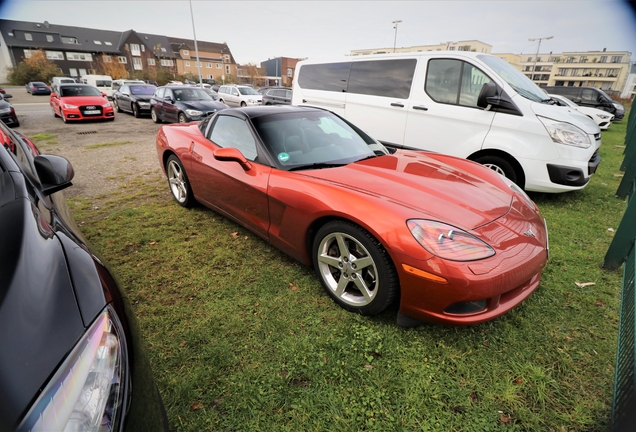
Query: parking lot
(104, 154)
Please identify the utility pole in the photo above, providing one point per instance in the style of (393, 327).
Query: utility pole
(535, 57)
(196, 48)
(396, 22)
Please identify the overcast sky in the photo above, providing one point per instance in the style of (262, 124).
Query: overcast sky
(258, 30)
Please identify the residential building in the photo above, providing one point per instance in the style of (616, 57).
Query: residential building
(469, 45)
(215, 59)
(629, 91)
(280, 70)
(513, 59)
(144, 53)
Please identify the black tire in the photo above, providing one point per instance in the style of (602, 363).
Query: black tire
(378, 275)
(182, 118)
(501, 166)
(116, 105)
(135, 110)
(154, 116)
(243, 104)
(178, 182)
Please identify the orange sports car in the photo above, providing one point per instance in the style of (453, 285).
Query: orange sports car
(453, 241)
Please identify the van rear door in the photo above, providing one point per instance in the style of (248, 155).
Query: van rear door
(442, 114)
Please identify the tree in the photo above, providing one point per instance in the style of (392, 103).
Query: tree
(35, 68)
(112, 68)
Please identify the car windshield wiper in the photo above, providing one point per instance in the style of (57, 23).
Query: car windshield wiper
(368, 157)
(317, 166)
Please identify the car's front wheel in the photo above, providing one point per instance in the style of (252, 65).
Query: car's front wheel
(178, 182)
(154, 116)
(354, 268)
(243, 104)
(182, 118)
(116, 105)
(135, 109)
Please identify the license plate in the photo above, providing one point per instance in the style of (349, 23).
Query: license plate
(89, 112)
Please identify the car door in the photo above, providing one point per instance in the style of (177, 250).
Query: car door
(170, 107)
(442, 114)
(123, 98)
(226, 185)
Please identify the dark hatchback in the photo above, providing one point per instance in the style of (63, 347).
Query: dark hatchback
(134, 98)
(7, 111)
(72, 357)
(182, 104)
(277, 96)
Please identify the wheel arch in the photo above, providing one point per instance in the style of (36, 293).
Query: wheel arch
(504, 155)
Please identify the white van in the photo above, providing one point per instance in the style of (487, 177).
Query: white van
(103, 83)
(471, 105)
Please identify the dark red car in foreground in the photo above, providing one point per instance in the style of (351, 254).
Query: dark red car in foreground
(455, 242)
(76, 102)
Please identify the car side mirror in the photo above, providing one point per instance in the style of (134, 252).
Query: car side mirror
(169, 99)
(493, 97)
(7, 96)
(232, 155)
(487, 95)
(53, 95)
(55, 173)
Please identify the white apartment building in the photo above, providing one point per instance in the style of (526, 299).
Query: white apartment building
(470, 45)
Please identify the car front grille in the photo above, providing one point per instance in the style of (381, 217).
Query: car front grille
(91, 110)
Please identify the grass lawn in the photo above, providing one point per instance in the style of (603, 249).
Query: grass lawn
(242, 338)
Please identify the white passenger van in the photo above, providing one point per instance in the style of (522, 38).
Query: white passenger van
(103, 83)
(470, 105)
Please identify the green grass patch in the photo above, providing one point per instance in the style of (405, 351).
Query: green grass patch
(44, 139)
(108, 144)
(242, 338)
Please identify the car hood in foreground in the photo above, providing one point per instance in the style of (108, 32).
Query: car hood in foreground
(425, 184)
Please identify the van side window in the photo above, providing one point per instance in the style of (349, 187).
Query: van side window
(589, 95)
(328, 76)
(454, 82)
(389, 78)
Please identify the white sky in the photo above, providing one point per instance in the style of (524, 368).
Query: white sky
(258, 30)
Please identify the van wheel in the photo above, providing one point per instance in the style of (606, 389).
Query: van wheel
(500, 166)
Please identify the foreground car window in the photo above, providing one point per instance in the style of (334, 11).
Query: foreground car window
(298, 139)
(234, 132)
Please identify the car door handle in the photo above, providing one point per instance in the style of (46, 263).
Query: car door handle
(420, 107)
(398, 104)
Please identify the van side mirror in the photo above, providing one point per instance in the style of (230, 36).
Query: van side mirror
(488, 91)
(492, 97)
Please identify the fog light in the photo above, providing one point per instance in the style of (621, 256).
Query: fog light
(466, 308)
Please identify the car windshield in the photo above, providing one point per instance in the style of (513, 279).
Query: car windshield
(314, 139)
(518, 81)
(37, 83)
(79, 91)
(142, 90)
(191, 94)
(248, 91)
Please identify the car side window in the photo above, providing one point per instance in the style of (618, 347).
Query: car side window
(229, 131)
(589, 95)
(124, 89)
(159, 93)
(168, 94)
(235, 92)
(454, 82)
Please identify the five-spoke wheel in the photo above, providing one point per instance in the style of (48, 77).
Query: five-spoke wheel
(178, 182)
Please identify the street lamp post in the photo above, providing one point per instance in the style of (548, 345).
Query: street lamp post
(396, 22)
(196, 48)
(535, 57)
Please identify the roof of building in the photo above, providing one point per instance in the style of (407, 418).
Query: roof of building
(202, 46)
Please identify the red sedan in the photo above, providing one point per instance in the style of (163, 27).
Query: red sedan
(74, 102)
(455, 242)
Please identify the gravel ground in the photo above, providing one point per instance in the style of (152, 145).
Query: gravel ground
(98, 170)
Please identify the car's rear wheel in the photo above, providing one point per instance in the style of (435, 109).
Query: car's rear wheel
(178, 182)
(354, 268)
(116, 105)
(500, 166)
(154, 116)
(182, 118)
(135, 109)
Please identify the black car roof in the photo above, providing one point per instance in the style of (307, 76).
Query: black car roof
(259, 111)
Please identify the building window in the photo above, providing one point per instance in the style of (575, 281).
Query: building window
(612, 72)
(72, 71)
(151, 62)
(96, 42)
(122, 59)
(226, 57)
(27, 53)
(187, 64)
(79, 56)
(583, 59)
(218, 65)
(69, 40)
(617, 59)
(49, 38)
(82, 72)
(108, 43)
(570, 60)
(197, 64)
(289, 72)
(106, 59)
(451, 48)
(552, 59)
(135, 50)
(166, 62)
(529, 59)
(186, 52)
(55, 55)
(227, 69)
(208, 65)
(137, 65)
(143, 48)
(210, 76)
(603, 59)
(28, 36)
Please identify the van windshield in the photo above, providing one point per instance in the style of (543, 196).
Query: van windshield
(518, 81)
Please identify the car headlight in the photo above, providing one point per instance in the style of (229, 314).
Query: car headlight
(5, 110)
(565, 133)
(194, 113)
(447, 241)
(85, 393)
(70, 106)
(603, 117)
(106, 105)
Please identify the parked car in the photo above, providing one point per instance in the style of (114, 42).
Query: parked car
(134, 98)
(152, 82)
(38, 88)
(76, 102)
(3, 91)
(589, 97)
(72, 354)
(7, 111)
(471, 105)
(214, 95)
(116, 85)
(602, 118)
(277, 96)
(239, 95)
(454, 241)
(182, 104)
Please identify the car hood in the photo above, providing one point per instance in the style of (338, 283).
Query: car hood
(84, 100)
(39, 316)
(430, 187)
(566, 115)
(202, 105)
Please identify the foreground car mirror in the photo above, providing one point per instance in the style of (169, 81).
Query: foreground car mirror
(55, 173)
(7, 96)
(232, 155)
